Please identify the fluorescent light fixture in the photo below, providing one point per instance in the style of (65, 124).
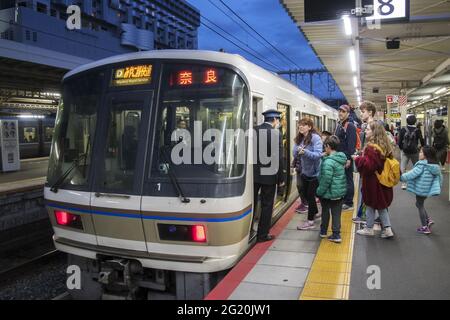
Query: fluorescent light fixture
(441, 90)
(355, 81)
(358, 93)
(347, 25)
(30, 116)
(414, 102)
(352, 59)
(426, 97)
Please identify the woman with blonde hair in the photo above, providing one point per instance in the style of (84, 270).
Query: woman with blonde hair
(375, 195)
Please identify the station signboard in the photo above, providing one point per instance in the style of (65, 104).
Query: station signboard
(390, 10)
(9, 145)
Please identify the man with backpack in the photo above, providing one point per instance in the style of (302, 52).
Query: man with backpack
(440, 141)
(348, 137)
(409, 144)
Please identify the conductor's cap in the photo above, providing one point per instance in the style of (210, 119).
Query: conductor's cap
(272, 113)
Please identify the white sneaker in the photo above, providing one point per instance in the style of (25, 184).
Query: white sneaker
(404, 186)
(387, 233)
(365, 232)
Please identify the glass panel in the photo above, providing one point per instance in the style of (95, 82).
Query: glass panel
(211, 100)
(121, 145)
(282, 191)
(75, 129)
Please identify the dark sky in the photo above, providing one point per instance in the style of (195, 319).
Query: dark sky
(268, 18)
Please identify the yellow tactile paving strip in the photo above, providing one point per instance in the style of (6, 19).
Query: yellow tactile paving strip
(329, 277)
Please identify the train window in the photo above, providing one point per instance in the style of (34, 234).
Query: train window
(48, 133)
(331, 125)
(30, 135)
(75, 130)
(316, 119)
(121, 145)
(211, 102)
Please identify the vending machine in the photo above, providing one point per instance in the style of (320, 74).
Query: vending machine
(9, 145)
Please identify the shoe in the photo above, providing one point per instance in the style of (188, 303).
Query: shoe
(335, 238)
(358, 220)
(424, 230)
(429, 222)
(302, 209)
(266, 238)
(322, 235)
(306, 226)
(365, 232)
(387, 233)
(404, 186)
(346, 207)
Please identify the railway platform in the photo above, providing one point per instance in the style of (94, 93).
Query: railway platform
(300, 265)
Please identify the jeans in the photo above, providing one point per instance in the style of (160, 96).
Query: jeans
(360, 202)
(335, 207)
(299, 189)
(420, 201)
(348, 200)
(308, 191)
(414, 157)
(384, 216)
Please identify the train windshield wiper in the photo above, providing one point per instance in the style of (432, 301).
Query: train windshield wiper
(62, 178)
(173, 177)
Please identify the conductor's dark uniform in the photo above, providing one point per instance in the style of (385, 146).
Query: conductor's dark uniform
(266, 183)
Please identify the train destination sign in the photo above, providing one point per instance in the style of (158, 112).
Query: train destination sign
(132, 75)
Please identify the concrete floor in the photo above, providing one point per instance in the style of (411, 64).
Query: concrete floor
(412, 265)
(29, 169)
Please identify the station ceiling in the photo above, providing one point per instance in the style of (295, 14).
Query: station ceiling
(419, 67)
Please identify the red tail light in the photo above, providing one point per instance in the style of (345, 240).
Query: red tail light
(199, 234)
(64, 218)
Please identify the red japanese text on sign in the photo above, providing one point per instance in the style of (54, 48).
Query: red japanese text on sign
(185, 78)
(211, 76)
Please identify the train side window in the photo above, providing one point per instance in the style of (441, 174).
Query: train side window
(48, 134)
(30, 135)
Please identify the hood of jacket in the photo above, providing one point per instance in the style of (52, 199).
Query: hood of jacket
(434, 169)
(338, 157)
(439, 131)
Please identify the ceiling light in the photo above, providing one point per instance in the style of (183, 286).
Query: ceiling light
(355, 81)
(426, 97)
(352, 59)
(347, 25)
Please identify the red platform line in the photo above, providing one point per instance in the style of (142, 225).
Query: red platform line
(228, 284)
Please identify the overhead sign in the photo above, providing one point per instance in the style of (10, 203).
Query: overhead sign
(132, 75)
(391, 98)
(390, 9)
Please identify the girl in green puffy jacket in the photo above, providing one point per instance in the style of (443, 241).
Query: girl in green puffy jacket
(332, 188)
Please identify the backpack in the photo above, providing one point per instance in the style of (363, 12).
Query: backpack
(358, 136)
(410, 141)
(390, 175)
(439, 141)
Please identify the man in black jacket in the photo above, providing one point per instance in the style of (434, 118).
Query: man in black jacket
(408, 142)
(267, 170)
(346, 132)
(440, 141)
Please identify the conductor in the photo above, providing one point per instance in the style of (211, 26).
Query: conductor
(267, 174)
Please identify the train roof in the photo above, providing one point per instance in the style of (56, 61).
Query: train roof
(202, 55)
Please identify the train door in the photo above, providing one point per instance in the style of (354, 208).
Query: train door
(116, 197)
(282, 191)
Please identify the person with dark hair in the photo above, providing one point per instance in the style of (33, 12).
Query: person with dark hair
(440, 141)
(332, 188)
(409, 144)
(266, 181)
(346, 132)
(424, 180)
(308, 146)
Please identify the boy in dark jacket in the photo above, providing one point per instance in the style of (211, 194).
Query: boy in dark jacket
(440, 141)
(332, 188)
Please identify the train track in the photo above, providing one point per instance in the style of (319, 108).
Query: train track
(11, 273)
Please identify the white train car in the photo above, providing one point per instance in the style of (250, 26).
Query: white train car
(137, 223)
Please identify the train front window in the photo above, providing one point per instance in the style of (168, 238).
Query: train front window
(202, 119)
(75, 130)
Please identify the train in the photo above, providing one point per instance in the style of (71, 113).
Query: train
(35, 136)
(136, 222)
